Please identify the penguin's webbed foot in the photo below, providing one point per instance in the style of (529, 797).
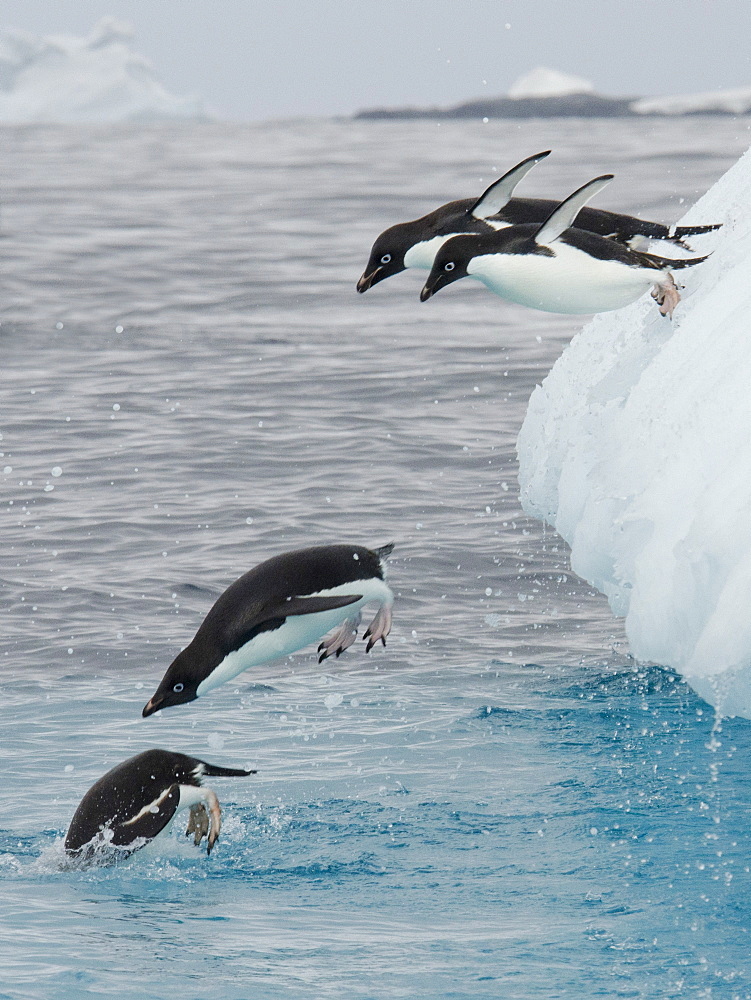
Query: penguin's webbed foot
(379, 628)
(205, 824)
(341, 639)
(198, 823)
(666, 295)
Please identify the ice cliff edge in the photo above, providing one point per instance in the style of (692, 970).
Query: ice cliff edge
(636, 448)
(99, 78)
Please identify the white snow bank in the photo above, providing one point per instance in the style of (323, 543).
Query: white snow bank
(544, 82)
(735, 102)
(637, 449)
(96, 79)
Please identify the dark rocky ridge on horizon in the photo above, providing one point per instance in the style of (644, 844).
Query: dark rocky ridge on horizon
(564, 106)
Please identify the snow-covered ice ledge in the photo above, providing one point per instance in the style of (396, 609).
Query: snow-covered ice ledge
(637, 449)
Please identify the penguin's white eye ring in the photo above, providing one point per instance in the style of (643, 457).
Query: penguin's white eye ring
(178, 687)
(386, 259)
(449, 266)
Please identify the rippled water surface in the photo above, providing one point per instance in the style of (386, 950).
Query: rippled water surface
(497, 804)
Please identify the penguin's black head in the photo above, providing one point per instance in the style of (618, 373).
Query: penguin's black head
(387, 255)
(176, 688)
(449, 265)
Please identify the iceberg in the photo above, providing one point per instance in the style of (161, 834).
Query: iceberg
(636, 448)
(99, 78)
(545, 82)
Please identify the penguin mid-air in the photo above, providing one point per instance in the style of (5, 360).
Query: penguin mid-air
(138, 799)
(415, 244)
(556, 268)
(278, 607)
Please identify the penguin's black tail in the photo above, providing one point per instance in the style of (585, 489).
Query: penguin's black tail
(681, 232)
(676, 265)
(385, 551)
(215, 771)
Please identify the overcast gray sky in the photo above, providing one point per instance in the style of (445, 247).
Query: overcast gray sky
(259, 59)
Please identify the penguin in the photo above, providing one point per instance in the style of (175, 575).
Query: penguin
(415, 244)
(557, 268)
(139, 798)
(276, 608)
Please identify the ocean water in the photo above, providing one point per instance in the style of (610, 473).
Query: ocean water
(500, 803)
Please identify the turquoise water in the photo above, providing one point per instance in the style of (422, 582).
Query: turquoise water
(500, 802)
(520, 830)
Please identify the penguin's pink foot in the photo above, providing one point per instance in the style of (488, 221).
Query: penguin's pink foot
(198, 823)
(341, 639)
(205, 824)
(666, 295)
(379, 628)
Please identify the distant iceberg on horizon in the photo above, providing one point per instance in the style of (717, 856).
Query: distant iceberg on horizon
(545, 82)
(64, 78)
(636, 448)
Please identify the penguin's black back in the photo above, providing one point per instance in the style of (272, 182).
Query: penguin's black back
(307, 571)
(604, 249)
(594, 220)
(456, 217)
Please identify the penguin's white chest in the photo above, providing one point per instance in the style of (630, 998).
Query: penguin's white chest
(422, 254)
(569, 282)
(190, 795)
(296, 632)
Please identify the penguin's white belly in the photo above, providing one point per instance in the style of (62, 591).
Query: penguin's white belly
(190, 795)
(296, 632)
(570, 282)
(423, 254)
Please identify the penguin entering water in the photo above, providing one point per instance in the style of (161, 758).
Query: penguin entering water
(415, 244)
(138, 799)
(277, 608)
(557, 268)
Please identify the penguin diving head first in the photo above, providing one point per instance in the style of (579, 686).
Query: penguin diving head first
(138, 799)
(278, 607)
(557, 268)
(415, 243)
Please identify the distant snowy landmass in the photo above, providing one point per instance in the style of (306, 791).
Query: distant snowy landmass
(545, 82)
(549, 93)
(730, 102)
(62, 78)
(637, 449)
